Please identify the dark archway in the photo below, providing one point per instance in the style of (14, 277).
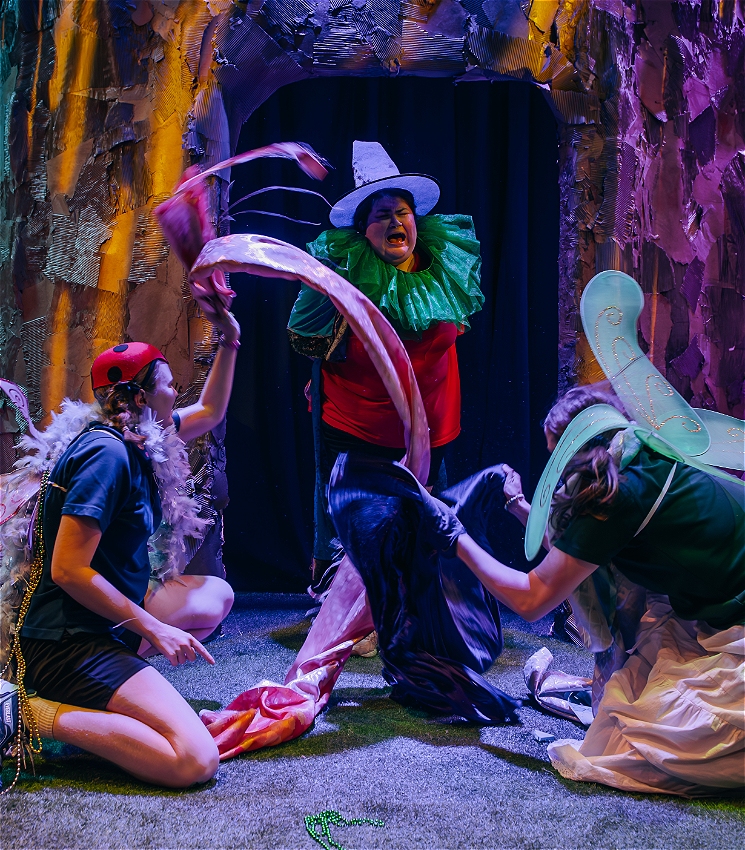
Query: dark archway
(494, 149)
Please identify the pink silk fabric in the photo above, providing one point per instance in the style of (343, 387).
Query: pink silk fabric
(271, 713)
(185, 217)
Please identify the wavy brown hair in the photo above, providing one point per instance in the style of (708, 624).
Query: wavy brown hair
(592, 476)
(117, 401)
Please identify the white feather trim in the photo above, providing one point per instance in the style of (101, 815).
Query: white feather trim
(167, 548)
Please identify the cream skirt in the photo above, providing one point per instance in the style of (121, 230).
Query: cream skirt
(672, 719)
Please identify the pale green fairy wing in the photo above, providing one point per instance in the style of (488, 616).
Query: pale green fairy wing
(659, 444)
(666, 423)
(610, 307)
(727, 434)
(586, 425)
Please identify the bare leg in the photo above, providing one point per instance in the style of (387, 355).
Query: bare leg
(149, 730)
(196, 604)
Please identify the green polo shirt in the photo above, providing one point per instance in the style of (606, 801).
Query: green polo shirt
(693, 548)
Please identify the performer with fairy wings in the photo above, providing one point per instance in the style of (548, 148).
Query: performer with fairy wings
(647, 496)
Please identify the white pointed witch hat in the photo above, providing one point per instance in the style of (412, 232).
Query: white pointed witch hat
(375, 170)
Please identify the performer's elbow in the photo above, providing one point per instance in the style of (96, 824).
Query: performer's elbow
(531, 606)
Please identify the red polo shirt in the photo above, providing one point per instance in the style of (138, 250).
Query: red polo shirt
(355, 399)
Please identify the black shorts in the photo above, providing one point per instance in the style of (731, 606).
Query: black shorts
(82, 669)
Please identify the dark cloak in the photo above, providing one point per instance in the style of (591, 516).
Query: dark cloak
(438, 628)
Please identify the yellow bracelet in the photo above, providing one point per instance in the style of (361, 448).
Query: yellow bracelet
(511, 501)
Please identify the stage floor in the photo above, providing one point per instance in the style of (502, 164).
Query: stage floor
(434, 784)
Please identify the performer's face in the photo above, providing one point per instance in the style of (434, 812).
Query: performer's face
(551, 440)
(163, 396)
(391, 230)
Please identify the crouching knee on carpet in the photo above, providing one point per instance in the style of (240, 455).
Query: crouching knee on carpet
(147, 729)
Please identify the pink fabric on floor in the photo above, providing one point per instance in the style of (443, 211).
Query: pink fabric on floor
(270, 713)
(345, 615)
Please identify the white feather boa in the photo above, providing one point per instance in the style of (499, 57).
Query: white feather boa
(167, 547)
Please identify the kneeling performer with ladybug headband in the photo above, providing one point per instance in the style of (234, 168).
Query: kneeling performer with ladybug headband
(112, 477)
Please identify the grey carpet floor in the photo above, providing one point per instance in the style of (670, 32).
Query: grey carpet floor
(434, 784)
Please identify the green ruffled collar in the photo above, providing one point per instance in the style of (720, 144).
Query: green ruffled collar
(447, 290)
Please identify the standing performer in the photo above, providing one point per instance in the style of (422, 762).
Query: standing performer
(80, 637)
(423, 272)
(437, 662)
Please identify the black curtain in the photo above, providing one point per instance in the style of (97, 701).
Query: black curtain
(493, 148)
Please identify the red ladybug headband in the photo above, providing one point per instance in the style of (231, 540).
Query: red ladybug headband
(121, 363)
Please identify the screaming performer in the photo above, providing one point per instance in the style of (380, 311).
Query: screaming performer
(423, 272)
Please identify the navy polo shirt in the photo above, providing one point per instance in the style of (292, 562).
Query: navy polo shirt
(103, 477)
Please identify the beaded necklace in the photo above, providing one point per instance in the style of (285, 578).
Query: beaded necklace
(325, 819)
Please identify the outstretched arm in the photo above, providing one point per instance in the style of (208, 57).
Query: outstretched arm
(77, 540)
(209, 411)
(531, 595)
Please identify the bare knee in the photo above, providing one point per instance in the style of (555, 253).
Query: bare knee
(197, 765)
(228, 597)
(223, 594)
(218, 600)
(197, 758)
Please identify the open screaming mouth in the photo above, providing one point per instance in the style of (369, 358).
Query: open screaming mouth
(396, 239)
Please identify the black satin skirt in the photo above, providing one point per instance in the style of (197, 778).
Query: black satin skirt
(438, 628)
